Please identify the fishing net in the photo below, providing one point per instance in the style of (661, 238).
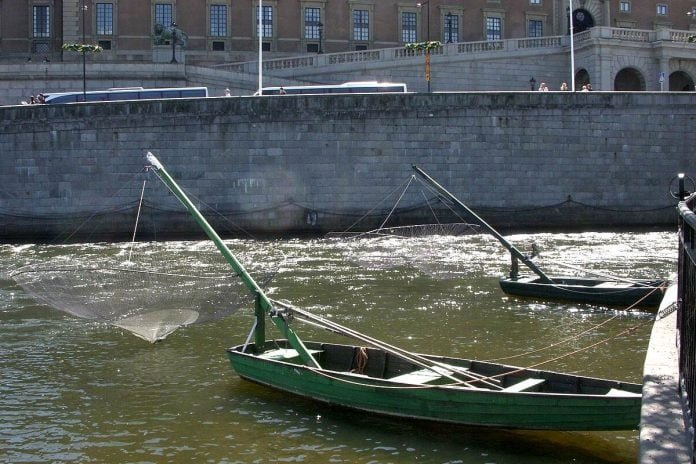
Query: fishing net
(414, 231)
(149, 291)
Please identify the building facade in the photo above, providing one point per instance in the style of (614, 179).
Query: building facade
(215, 31)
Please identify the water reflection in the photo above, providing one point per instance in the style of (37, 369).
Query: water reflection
(79, 390)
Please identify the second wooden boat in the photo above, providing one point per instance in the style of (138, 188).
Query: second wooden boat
(600, 290)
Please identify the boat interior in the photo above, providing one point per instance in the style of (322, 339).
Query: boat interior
(374, 364)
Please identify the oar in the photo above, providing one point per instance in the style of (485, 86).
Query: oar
(605, 275)
(407, 355)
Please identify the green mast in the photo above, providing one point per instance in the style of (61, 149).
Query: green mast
(263, 304)
(510, 247)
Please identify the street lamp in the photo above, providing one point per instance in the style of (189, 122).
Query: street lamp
(320, 25)
(449, 27)
(84, 64)
(173, 43)
(427, 28)
(532, 83)
(427, 39)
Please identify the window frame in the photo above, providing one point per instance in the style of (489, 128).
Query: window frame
(409, 26)
(218, 15)
(495, 21)
(360, 25)
(450, 28)
(538, 30)
(311, 18)
(157, 14)
(104, 23)
(41, 26)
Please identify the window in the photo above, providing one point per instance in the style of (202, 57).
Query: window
(535, 28)
(105, 18)
(41, 21)
(164, 14)
(408, 27)
(493, 28)
(361, 25)
(693, 12)
(535, 2)
(312, 18)
(451, 32)
(218, 20)
(266, 21)
(661, 9)
(625, 7)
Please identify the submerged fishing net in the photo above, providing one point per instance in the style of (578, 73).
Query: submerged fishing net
(413, 231)
(149, 292)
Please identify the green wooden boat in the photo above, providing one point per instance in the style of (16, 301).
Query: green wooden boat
(600, 289)
(379, 378)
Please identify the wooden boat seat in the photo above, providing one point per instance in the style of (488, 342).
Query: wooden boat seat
(624, 393)
(285, 354)
(525, 385)
(422, 376)
(612, 285)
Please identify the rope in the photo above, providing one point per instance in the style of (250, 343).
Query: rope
(574, 337)
(397, 201)
(137, 219)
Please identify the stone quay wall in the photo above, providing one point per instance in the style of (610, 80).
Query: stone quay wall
(313, 164)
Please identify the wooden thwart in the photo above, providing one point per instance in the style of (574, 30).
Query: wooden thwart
(525, 385)
(422, 376)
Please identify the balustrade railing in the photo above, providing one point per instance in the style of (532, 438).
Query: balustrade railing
(461, 48)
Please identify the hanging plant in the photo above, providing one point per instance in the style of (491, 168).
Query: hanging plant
(691, 39)
(82, 48)
(424, 46)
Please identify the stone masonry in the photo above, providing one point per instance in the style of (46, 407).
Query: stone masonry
(315, 164)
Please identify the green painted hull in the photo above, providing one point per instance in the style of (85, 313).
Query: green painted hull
(648, 294)
(578, 403)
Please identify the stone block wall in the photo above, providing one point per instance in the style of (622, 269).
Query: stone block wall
(317, 163)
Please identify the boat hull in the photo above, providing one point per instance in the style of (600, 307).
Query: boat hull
(644, 294)
(450, 403)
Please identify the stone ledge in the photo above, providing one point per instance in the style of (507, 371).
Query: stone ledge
(664, 438)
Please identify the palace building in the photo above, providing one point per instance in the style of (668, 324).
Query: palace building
(224, 31)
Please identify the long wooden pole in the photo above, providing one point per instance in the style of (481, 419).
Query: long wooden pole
(263, 303)
(509, 246)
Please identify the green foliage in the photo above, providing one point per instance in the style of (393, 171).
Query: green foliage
(82, 48)
(692, 39)
(424, 46)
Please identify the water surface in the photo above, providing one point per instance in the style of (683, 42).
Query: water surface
(75, 390)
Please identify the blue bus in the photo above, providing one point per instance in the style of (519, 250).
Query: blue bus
(348, 87)
(129, 93)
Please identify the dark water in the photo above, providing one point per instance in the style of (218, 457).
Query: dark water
(72, 390)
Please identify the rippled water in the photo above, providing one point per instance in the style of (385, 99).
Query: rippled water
(81, 391)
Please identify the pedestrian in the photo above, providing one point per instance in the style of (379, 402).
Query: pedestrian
(32, 100)
(281, 91)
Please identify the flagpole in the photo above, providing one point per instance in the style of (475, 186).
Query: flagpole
(259, 31)
(572, 49)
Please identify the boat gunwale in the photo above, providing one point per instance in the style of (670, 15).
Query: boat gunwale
(388, 383)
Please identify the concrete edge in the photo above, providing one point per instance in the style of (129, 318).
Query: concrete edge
(664, 438)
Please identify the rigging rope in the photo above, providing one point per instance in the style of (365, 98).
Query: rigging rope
(137, 219)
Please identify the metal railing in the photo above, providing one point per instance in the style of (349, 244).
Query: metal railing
(686, 306)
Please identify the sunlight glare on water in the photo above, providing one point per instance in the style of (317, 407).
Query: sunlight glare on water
(75, 390)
